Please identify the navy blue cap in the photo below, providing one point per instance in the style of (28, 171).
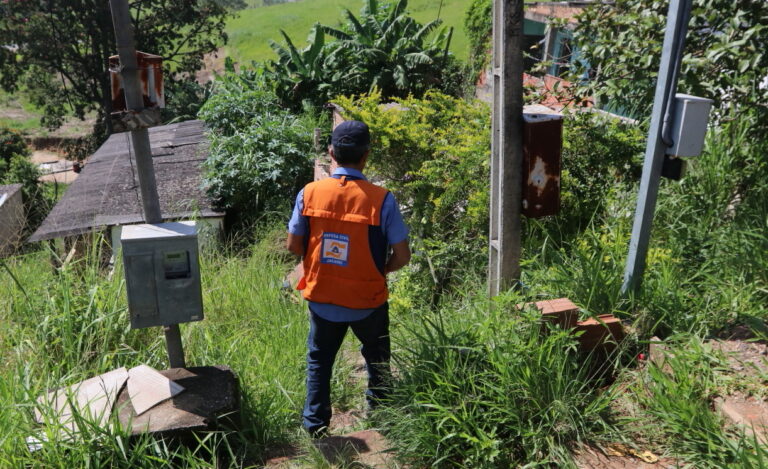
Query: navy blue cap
(351, 134)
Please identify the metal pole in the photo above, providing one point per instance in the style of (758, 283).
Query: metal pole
(150, 201)
(506, 146)
(663, 108)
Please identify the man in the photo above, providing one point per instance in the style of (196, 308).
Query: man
(345, 227)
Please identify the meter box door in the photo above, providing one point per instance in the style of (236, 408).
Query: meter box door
(542, 147)
(162, 273)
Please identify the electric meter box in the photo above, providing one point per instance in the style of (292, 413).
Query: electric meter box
(689, 125)
(162, 273)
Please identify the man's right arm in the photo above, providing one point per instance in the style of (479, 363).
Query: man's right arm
(298, 227)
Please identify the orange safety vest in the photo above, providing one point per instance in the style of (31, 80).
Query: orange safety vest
(339, 264)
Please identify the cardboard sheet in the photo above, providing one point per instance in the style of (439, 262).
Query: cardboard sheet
(92, 398)
(147, 388)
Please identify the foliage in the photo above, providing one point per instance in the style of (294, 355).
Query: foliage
(260, 153)
(433, 154)
(37, 200)
(725, 57)
(252, 28)
(598, 151)
(480, 387)
(61, 46)
(673, 398)
(383, 48)
(11, 143)
(478, 26)
(71, 324)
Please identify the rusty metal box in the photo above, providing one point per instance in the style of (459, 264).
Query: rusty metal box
(151, 78)
(542, 147)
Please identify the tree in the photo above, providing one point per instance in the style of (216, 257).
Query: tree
(725, 54)
(58, 49)
(387, 49)
(384, 49)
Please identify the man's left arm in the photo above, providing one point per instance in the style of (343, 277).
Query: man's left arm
(298, 227)
(396, 232)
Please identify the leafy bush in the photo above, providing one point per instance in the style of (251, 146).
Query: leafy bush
(11, 143)
(478, 25)
(383, 48)
(37, 201)
(724, 57)
(434, 154)
(598, 152)
(260, 154)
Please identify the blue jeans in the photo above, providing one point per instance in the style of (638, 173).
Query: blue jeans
(325, 338)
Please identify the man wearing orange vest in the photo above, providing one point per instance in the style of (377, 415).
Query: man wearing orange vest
(351, 234)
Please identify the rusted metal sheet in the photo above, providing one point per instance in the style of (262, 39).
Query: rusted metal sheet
(150, 76)
(542, 147)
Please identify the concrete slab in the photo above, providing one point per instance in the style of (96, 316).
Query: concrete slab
(210, 400)
(748, 412)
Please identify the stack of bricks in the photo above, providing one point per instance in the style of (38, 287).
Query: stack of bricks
(603, 332)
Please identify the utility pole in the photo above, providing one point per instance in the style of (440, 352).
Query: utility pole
(658, 141)
(506, 146)
(150, 202)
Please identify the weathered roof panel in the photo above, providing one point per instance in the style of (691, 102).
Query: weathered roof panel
(107, 191)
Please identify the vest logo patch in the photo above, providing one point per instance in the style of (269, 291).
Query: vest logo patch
(335, 249)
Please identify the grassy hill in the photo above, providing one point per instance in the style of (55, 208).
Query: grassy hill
(250, 30)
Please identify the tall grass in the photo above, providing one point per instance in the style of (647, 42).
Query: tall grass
(71, 324)
(482, 386)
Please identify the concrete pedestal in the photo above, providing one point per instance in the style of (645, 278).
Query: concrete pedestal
(209, 402)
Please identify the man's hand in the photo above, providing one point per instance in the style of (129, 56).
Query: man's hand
(401, 255)
(295, 244)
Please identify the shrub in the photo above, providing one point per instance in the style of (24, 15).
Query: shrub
(598, 152)
(433, 153)
(37, 201)
(260, 154)
(384, 47)
(11, 144)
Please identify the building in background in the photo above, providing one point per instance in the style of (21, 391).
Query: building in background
(12, 218)
(106, 195)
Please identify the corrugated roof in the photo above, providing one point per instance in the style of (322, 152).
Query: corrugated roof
(107, 191)
(10, 189)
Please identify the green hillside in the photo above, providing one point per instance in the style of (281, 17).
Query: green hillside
(249, 32)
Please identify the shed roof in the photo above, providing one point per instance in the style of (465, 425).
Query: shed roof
(107, 192)
(9, 189)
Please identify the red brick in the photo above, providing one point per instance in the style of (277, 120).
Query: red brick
(605, 332)
(560, 311)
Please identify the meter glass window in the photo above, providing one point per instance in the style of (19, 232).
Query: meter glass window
(176, 265)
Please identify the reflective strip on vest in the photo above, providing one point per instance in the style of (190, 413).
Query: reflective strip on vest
(339, 266)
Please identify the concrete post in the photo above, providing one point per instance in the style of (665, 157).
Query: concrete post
(506, 146)
(121, 19)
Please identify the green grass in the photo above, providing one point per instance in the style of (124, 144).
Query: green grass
(250, 30)
(24, 115)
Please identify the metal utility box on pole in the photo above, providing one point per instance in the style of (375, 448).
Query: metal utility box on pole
(506, 146)
(121, 19)
(658, 140)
